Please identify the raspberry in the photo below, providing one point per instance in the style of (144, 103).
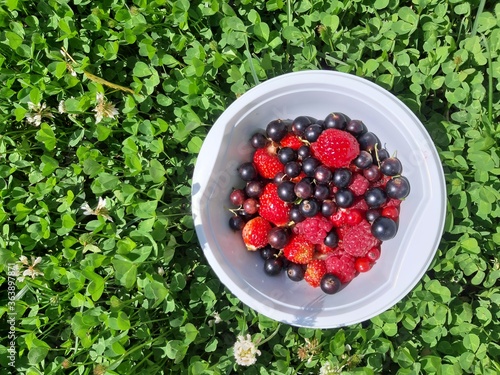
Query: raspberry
(267, 163)
(360, 204)
(341, 266)
(358, 240)
(314, 228)
(338, 218)
(335, 148)
(322, 250)
(291, 140)
(272, 208)
(392, 203)
(315, 271)
(359, 184)
(255, 232)
(299, 250)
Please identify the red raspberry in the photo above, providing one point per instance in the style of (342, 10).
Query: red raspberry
(359, 184)
(341, 266)
(255, 232)
(392, 203)
(314, 228)
(299, 250)
(335, 148)
(272, 208)
(360, 204)
(322, 250)
(291, 140)
(358, 240)
(315, 271)
(267, 163)
(338, 218)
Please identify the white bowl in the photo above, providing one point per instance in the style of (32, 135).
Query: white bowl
(405, 258)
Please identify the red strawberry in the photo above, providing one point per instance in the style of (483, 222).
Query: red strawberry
(255, 233)
(272, 208)
(314, 228)
(299, 250)
(359, 184)
(335, 148)
(267, 163)
(341, 266)
(291, 140)
(358, 240)
(315, 271)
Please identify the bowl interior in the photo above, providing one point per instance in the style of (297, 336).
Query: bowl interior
(404, 259)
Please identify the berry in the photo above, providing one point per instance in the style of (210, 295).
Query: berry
(354, 217)
(331, 239)
(359, 185)
(295, 272)
(304, 152)
(371, 215)
(372, 173)
(273, 266)
(258, 140)
(268, 252)
(272, 208)
(303, 189)
(247, 171)
(344, 198)
(237, 197)
(335, 120)
(381, 154)
(278, 237)
(359, 239)
(368, 141)
(300, 124)
(299, 250)
(321, 192)
(362, 264)
(287, 154)
(292, 169)
(266, 163)
(373, 254)
(322, 174)
(292, 141)
(315, 271)
(328, 208)
(285, 191)
(312, 132)
(314, 229)
(251, 206)
(335, 148)
(277, 129)
(398, 187)
(342, 177)
(236, 223)
(338, 218)
(384, 228)
(254, 188)
(391, 212)
(391, 166)
(255, 232)
(356, 127)
(364, 160)
(309, 165)
(309, 207)
(375, 197)
(295, 215)
(341, 266)
(330, 284)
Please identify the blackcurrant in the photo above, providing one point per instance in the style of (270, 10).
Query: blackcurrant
(375, 197)
(344, 198)
(398, 187)
(309, 207)
(328, 208)
(296, 215)
(268, 252)
(295, 271)
(322, 174)
(356, 127)
(247, 171)
(304, 152)
(258, 140)
(331, 239)
(368, 141)
(309, 165)
(254, 188)
(236, 223)
(330, 284)
(391, 166)
(364, 160)
(300, 124)
(342, 177)
(321, 192)
(372, 214)
(286, 191)
(372, 173)
(276, 130)
(313, 132)
(304, 189)
(292, 169)
(384, 228)
(237, 197)
(287, 154)
(273, 266)
(336, 120)
(278, 237)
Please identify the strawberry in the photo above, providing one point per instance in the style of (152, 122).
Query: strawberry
(255, 232)
(314, 228)
(272, 208)
(335, 148)
(315, 271)
(358, 239)
(341, 266)
(291, 140)
(267, 163)
(359, 184)
(299, 250)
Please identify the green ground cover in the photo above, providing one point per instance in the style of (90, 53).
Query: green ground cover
(112, 99)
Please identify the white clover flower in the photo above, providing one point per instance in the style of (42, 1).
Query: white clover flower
(161, 271)
(216, 320)
(100, 210)
(31, 270)
(328, 369)
(245, 351)
(37, 112)
(104, 108)
(62, 107)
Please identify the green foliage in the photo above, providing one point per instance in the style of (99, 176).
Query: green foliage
(126, 288)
